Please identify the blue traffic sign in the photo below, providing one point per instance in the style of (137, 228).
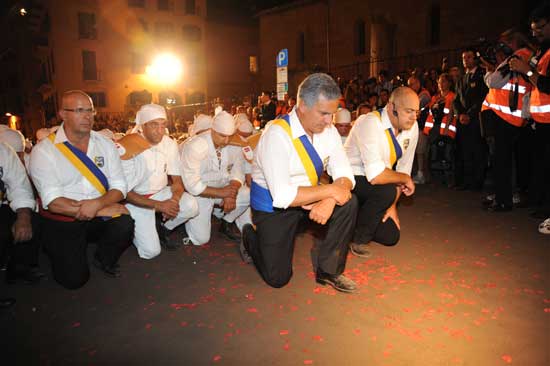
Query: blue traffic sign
(282, 58)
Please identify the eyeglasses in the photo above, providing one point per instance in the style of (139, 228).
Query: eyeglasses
(81, 110)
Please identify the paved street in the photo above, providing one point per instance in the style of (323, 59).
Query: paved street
(463, 287)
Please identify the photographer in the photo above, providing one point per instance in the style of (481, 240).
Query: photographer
(507, 90)
(440, 127)
(537, 70)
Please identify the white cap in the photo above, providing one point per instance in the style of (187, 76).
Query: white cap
(218, 109)
(240, 117)
(149, 112)
(13, 138)
(245, 126)
(342, 116)
(107, 133)
(202, 122)
(223, 123)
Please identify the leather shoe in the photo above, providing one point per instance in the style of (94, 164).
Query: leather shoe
(227, 231)
(338, 282)
(110, 271)
(246, 238)
(499, 207)
(164, 237)
(359, 250)
(6, 302)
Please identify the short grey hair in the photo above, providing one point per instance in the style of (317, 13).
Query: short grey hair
(316, 85)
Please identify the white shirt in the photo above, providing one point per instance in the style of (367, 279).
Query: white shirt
(278, 167)
(54, 176)
(14, 179)
(148, 172)
(201, 168)
(368, 148)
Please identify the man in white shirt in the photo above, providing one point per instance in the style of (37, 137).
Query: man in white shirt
(79, 178)
(148, 175)
(288, 163)
(16, 206)
(342, 122)
(381, 150)
(212, 171)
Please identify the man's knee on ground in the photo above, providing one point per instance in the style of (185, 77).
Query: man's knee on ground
(74, 282)
(278, 280)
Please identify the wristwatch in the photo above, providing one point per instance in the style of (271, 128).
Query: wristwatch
(529, 73)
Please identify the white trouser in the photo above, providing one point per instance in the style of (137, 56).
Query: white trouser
(146, 238)
(198, 228)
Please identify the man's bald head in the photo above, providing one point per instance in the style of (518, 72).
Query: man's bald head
(402, 93)
(403, 108)
(73, 95)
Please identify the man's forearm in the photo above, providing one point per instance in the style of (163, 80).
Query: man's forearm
(389, 176)
(308, 195)
(112, 196)
(140, 200)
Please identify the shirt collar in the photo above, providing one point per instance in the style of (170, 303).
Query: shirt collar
(60, 135)
(296, 125)
(385, 118)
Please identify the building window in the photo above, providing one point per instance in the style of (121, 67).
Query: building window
(138, 63)
(190, 7)
(359, 37)
(165, 5)
(164, 29)
(301, 47)
(253, 64)
(86, 26)
(136, 3)
(191, 33)
(98, 98)
(435, 24)
(89, 67)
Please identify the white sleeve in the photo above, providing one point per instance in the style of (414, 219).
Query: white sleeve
(43, 175)
(192, 154)
(115, 174)
(14, 176)
(368, 140)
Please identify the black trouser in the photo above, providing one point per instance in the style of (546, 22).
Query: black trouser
(506, 137)
(541, 182)
(274, 241)
(66, 244)
(374, 200)
(471, 155)
(21, 256)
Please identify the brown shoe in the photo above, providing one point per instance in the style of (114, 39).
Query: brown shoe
(339, 282)
(360, 250)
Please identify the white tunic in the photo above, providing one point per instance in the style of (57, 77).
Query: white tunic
(368, 148)
(14, 179)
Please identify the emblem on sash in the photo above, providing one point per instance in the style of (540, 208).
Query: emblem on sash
(229, 167)
(99, 161)
(406, 143)
(325, 162)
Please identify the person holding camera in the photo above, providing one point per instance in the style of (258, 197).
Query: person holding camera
(507, 90)
(537, 70)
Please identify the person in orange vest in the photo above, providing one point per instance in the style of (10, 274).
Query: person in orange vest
(440, 128)
(507, 90)
(537, 70)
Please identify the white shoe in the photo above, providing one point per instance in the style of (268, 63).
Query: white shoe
(544, 227)
(419, 178)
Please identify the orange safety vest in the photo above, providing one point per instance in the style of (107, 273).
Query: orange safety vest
(499, 99)
(448, 117)
(540, 102)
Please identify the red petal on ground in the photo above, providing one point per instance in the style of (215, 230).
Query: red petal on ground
(216, 358)
(547, 310)
(317, 338)
(283, 332)
(183, 324)
(357, 331)
(76, 325)
(308, 362)
(507, 358)
(148, 326)
(252, 310)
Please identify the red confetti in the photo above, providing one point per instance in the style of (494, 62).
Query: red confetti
(252, 310)
(183, 324)
(148, 326)
(507, 358)
(357, 331)
(547, 310)
(217, 358)
(317, 338)
(76, 325)
(308, 362)
(286, 347)
(283, 332)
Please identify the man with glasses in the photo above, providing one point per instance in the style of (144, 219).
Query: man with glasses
(78, 176)
(151, 201)
(537, 70)
(381, 148)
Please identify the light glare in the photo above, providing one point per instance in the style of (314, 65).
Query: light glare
(166, 69)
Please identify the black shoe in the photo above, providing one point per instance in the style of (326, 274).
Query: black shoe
(164, 237)
(339, 282)
(110, 271)
(499, 207)
(359, 250)
(227, 231)
(244, 247)
(6, 302)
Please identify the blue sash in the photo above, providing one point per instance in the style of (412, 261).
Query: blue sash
(260, 198)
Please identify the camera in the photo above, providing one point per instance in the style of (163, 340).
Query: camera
(488, 50)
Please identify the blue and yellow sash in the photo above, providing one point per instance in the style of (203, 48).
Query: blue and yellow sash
(83, 164)
(395, 149)
(260, 197)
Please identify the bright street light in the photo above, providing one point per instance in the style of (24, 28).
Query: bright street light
(165, 69)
